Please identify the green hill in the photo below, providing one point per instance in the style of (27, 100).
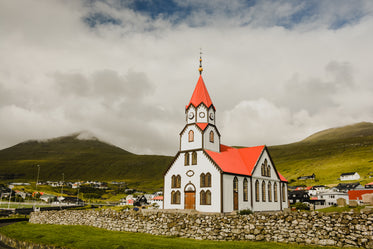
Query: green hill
(328, 154)
(84, 159)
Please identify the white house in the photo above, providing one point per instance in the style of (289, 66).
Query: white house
(350, 176)
(331, 196)
(210, 177)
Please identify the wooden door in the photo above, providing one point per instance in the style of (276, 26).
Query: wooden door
(190, 200)
(235, 200)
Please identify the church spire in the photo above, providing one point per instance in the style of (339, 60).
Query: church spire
(200, 69)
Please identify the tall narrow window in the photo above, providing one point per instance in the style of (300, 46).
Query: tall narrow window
(177, 197)
(194, 158)
(211, 136)
(173, 198)
(235, 184)
(263, 191)
(257, 190)
(268, 170)
(173, 180)
(283, 192)
(269, 191)
(208, 197)
(245, 190)
(263, 170)
(178, 181)
(275, 192)
(208, 180)
(202, 197)
(186, 159)
(202, 180)
(191, 136)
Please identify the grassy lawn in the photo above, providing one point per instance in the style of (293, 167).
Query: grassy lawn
(90, 237)
(341, 209)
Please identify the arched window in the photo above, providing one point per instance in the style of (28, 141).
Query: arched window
(269, 170)
(173, 198)
(263, 191)
(275, 192)
(178, 181)
(203, 180)
(235, 184)
(283, 192)
(191, 136)
(263, 170)
(208, 197)
(194, 158)
(269, 191)
(211, 136)
(186, 159)
(202, 197)
(245, 190)
(173, 180)
(177, 197)
(208, 180)
(257, 190)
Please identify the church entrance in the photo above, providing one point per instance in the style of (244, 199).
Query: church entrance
(190, 197)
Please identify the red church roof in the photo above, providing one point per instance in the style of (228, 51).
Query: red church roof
(238, 161)
(200, 95)
(202, 126)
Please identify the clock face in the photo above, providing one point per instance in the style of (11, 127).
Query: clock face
(201, 114)
(191, 115)
(212, 116)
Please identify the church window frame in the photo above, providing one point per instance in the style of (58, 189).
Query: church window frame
(283, 193)
(245, 190)
(176, 181)
(191, 136)
(257, 198)
(205, 180)
(263, 191)
(235, 184)
(194, 157)
(211, 137)
(269, 170)
(202, 180)
(186, 159)
(275, 194)
(269, 192)
(175, 197)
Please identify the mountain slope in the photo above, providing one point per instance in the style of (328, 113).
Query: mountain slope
(328, 154)
(85, 159)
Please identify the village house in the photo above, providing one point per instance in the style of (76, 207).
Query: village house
(361, 196)
(208, 176)
(351, 176)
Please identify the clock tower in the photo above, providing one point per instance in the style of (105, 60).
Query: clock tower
(200, 131)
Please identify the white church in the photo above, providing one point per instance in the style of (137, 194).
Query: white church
(208, 176)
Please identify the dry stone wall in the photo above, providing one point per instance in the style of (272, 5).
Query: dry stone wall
(331, 229)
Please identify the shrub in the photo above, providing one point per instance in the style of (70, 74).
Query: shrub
(245, 212)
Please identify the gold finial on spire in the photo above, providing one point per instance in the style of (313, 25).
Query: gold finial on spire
(200, 69)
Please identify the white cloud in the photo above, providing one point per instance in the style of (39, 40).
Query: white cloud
(127, 79)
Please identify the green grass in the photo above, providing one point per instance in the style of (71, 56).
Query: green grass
(341, 209)
(328, 154)
(90, 237)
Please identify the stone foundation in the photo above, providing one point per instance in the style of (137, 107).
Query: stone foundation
(330, 229)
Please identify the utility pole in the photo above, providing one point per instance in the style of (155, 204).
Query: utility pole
(63, 180)
(37, 178)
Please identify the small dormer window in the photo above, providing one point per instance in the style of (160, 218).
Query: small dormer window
(191, 136)
(211, 136)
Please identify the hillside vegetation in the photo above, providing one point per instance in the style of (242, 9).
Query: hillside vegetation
(88, 159)
(328, 154)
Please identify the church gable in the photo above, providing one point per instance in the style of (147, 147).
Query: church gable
(191, 138)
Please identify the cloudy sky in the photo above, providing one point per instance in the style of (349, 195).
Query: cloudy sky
(277, 71)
